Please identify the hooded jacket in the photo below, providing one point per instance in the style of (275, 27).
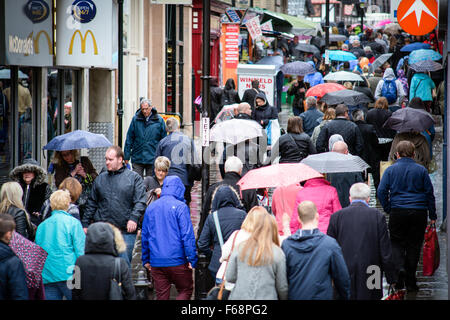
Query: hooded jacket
(390, 75)
(313, 260)
(168, 238)
(231, 215)
(97, 264)
(421, 86)
(143, 136)
(13, 284)
(265, 112)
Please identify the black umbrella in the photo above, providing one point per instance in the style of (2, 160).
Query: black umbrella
(349, 97)
(409, 120)
(337, 37)
(381, 60)
(304, 47)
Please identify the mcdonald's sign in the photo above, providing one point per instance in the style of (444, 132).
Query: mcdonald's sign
(36, 42)
(83, 41)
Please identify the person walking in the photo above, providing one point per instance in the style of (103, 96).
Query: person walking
(12, 273)
(423, 86)
(298, 90)
(168, 242)
(118, 197)
(407, 195)
(74, 187)
(328, 115)
(264, 112)
(146, 129)
(250, 94)
(390, 88)
(257, 266)
(314, 260)
(155, 182)
(362, 234)
(62, 237)
(104, 242)
(310, 116)
(216, 95)
(230, 95)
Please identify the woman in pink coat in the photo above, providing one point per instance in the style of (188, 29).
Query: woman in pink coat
(324, 196)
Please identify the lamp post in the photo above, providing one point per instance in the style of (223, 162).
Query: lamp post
(120, 74)
(361, 6)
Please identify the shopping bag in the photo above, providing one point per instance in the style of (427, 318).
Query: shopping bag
(383, 166)
(431, 253)
(394, 294)
(273, 132)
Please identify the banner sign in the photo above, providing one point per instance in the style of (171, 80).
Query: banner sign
(266, 84)
(27, 37)
(254, 28)
(86, 33)
(418, 17)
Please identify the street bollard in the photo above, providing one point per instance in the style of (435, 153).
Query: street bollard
(141, 286)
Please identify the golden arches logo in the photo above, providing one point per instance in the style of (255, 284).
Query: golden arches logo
(83, 41)
(36, 42)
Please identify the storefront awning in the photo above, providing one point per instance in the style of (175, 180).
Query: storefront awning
(302, 26)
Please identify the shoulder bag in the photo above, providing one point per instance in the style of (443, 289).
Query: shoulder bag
(115, 290)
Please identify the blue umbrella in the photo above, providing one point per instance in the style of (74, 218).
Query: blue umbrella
(298, 68)
(340, 55)
(415, 46)
(422, 55)
(77, 139)
(277, 61)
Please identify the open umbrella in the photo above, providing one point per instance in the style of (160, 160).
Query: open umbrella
(277, 175)
(340, 55)
(277, 61)
(409, 120)
(77, 139)
(349, 97)
(392, 28)
(343, 76)
(382, 59)
(337, 37)
(235, 130)
(382, 23)
(422, 55)
(298, 68)
(415, 46)
(359, 25)
(332, 162)
(226, 113)
(426, 66)
(6, 74)
(305, 47)
(321, 89)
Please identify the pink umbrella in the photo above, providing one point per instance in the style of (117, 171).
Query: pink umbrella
(357, 25)
(383, 23)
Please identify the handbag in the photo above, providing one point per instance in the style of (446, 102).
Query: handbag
(395, 294)
(115, 290)
(431, 253)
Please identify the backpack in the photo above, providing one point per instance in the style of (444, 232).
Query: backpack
(389, 91)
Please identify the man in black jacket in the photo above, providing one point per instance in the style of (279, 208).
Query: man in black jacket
(118, 196)
(250, 94)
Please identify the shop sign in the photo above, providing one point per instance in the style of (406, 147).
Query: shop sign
(266, 84)
(418, 17)
(86, 34)
(27, 37)
(254, 28)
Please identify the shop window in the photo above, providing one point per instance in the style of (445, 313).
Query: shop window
(6, 133)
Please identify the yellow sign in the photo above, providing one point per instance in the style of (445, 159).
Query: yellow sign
(36, 42)
(83, 41)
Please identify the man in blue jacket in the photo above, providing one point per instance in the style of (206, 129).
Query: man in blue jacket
(313, 260)
(146, 129)
(406, 194)
(168, 242)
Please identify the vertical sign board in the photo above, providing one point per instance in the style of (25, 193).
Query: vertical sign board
(229, 40)
(85, 35)
(265, 74)
(254, 28)
(27, 37)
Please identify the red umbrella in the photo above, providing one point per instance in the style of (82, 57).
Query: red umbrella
(321, 89)
(277, 175)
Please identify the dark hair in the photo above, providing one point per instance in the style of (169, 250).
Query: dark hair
(230, 84)
(416, 103)
(119, 152)
(295, 125)
(255, 84)
(346, 64)
(406, 149)
(341, 109)
(7, 224)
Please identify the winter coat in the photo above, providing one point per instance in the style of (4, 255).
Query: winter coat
(21, 220)
(370, 139)
(35, 194)
(313, 78)
(216, 96)
(309, 118)
(406, 184)
(347, 129)
(373, 83)
(97, 264)
(324, 196)
(264, 113)
(343, 181)
(230, 96)
(266, 282)
(293, 148)
(63, 238)
(362, 234)
(143, 136)
(298, 96)
(185, 152)
(249, 97)
(313, 260)
(116, 197)
(422, 153)
(47, 211)
(377, 118)
(317, 130)
(13, 284)
(231, 215)
(283, 202)
(168, 238)
(63, 170)
(389, 75)
(421, 86)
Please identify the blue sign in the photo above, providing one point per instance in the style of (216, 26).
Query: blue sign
(234, 17)
(36, 10)
(84, 11)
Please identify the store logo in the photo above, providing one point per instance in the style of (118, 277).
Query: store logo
(84, 11)
(36, 10)
(36, 42)
(21, 46)
(83, 41)
(418, 17)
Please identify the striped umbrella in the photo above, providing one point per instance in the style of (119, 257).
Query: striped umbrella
(426, 66)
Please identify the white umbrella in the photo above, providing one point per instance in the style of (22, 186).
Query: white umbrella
(235, 130)
(343, 76)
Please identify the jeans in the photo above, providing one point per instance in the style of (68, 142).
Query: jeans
(130, 239)
(140, 167)
(180, 275)
(57, 290)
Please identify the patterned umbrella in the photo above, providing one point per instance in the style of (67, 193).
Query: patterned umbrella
(422, 55)
(426, 65)
(380, 60)
(298, 68)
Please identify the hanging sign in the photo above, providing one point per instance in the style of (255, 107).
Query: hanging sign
(418, 17)
(254, 28)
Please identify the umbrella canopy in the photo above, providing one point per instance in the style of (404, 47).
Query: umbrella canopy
(226, 113)
(392, 28)
(415, 46)
(422, 55)
(235, 130)
(77, 139)
(6, 74)
(332, 162)
(426, 66)
(339, 55)
(349, 97)
(321, 89)
(409, 120)
(277, 175)
(343, 76)
(305, 47)
(298, 68)
(382, 23)
(337, 37)
(382, 59)
(276, 61)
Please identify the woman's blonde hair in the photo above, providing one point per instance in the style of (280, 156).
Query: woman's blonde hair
(348, 85)
(11, 195)
(257, 250)
(162, 163)
(73, 186)
(329, 114)
(58, 159)
(60, 200)
(252, 217)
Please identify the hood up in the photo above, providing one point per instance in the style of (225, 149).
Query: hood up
(307, 240)
(261, 95)
(225, 196)
(389, 74)
(29, 165)
(102, 238)
(173, 186)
